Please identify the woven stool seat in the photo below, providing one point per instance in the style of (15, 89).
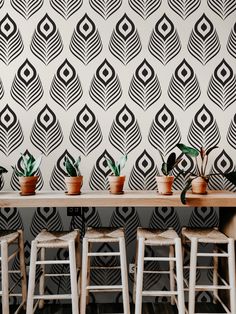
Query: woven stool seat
(9, 236)
(159, 237)
(55, 239)
(104, 234)
(206, 235)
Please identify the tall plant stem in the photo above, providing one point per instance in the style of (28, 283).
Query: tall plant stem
(198, 170)
(204, 171)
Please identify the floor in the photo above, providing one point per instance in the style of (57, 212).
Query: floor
(148, 308)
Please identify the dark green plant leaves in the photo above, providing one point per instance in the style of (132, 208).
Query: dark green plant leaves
(186, 188)
(70, 169)
(164, 169)
(118, 166)
(190, 151)
(171, 162)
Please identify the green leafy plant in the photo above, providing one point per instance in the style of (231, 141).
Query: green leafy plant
(72, 169)
(30, 166)
(169, 164)
(116, 167)
(201, 158)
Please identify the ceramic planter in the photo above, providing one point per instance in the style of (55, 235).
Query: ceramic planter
(199, 186)
(116, 184)
(73, 185)
(164, 184)
(28, 185)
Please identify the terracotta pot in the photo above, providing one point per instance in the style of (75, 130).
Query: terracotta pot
(164, 184)
(28, 185)
(199, 186)
(116, 184)
(74, 185)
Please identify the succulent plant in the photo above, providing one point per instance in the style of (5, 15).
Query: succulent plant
(72, 169)
(116, 167)
(201, 167)
(169, 164)
(30, 166)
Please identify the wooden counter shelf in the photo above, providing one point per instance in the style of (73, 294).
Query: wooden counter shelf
(105, 199)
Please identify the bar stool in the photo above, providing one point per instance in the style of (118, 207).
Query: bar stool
(8, 239)
(169, 238)
(53, 240)
(103, 235)
(215, 237)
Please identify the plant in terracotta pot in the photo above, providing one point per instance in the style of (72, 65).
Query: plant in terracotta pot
(165, 181)
(116, 181)
(27, 177)
(199, 180)
(74, 179)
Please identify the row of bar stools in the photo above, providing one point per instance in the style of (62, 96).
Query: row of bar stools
(157, 238)
(53, 240)
(8, 239)
(103, 235)
(213, 237)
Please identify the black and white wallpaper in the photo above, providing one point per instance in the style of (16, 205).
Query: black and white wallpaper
(102, 78)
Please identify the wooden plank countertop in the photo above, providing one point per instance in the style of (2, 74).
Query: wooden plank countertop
(105, 199)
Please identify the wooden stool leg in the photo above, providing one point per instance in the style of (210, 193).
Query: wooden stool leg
(83, 291)
(172, 278)
(179, 275)
(22, 267)
(139, 282)
(231, 263)
(192, 275)
(135, 271)
(215, 274)
(78, 258)
(5, 278)
(32, 272)
(73, 278)
(124, 276)
(88, 271)
(42, 277)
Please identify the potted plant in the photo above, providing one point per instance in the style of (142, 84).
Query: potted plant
(199, 180)
(165, 181)
(73, 180)
(116, 181)
(27, 177)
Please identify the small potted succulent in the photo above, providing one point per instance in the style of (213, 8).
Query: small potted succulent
(116, 181)
(74, 179)
(200, 178)
(165, 181)
(27, 177)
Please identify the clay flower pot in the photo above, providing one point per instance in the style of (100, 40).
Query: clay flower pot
(28, 185)
(164, 184)
(116, 184)
(199, 186)
(74, 185)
